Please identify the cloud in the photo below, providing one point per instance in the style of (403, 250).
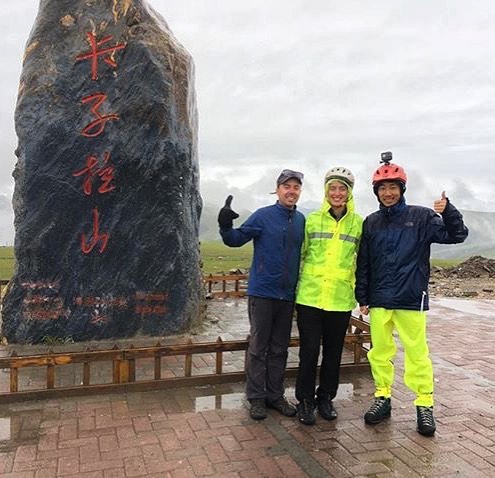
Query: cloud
(313, 85)
(6, 221)
(5, 203)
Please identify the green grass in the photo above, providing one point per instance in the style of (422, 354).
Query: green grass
(6, 262)
(446, 263)
(217, 257)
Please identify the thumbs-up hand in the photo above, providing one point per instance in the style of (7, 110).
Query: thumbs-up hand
(226, 216)
(440, 204)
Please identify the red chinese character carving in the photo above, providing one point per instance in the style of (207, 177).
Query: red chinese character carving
(104, 173)
(97, 237)
(96, 127)
(95, 53)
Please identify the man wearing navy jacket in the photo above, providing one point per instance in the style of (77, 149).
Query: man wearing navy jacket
(393, 270)
(277, 232)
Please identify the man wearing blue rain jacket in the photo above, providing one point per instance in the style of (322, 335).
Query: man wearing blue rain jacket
(277, 232)
(393, 269)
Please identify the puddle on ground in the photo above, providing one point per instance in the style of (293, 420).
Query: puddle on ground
(4, 429)
(233, 401)
(483, 309)
(19, 429)
(345, 391)
(229, 401)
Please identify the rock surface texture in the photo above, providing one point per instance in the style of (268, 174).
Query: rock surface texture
(106, 194)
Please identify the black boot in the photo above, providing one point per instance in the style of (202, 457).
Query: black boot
(426, 422)
(379, 410)
(306, 411)
(258, 409)
(325, 409)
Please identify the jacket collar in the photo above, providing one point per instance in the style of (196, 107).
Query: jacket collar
(286, 210)
(396, 209)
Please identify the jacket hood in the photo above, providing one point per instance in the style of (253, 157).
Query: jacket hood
(325, 207)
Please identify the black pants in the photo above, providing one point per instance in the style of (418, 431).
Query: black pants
(328, 328)
(270, 326)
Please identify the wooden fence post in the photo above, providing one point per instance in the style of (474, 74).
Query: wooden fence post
(219, 359)
(87, 371)
(116, 366)
(188, 362)
(14, 376)
(50, 373)
(158, 363)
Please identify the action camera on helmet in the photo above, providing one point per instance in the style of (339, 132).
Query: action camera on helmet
(386, 157)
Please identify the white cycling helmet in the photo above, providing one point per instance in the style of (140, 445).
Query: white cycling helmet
(341, 174)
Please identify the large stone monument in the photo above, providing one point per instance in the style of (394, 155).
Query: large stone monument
(106, 194)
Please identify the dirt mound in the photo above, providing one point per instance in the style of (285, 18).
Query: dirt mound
(476, 266)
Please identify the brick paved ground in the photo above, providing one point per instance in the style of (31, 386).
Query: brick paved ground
(206, 431)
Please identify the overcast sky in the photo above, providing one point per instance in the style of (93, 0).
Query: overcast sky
(314, 84)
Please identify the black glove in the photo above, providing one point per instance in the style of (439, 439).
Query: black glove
(226, 216)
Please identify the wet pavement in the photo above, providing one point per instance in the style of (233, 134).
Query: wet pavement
(206, 431)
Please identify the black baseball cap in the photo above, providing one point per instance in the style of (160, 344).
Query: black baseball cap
(287, 174)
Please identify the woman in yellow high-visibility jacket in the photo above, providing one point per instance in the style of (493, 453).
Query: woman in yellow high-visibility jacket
(325, 294)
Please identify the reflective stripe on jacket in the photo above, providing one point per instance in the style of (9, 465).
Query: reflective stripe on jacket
(329, 259)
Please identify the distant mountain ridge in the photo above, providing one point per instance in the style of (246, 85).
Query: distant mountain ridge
(480, 242)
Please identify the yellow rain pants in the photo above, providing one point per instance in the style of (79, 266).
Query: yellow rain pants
(418, 370)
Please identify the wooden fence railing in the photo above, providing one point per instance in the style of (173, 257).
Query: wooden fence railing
(124, 376)
(226, 285)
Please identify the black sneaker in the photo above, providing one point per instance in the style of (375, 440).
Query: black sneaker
(306, 411)
(426, 422)
(379, 410)
(325, 409)
(258, 409)
(283, 406)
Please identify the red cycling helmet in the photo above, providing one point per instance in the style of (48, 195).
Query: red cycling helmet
(390, 172)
